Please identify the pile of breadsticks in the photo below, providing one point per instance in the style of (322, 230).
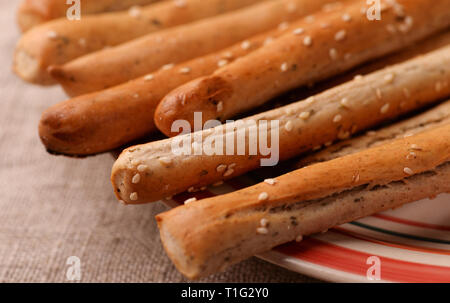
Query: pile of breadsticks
(373, 133)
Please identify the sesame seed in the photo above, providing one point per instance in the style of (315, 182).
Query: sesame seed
(135, 162)
(263, 222)
(122, 202)
(142, 168)
(299, 238)
(340, 35)
(384, 109)
(346, 17)
(324, 25)
(371, 133)
(411, 155)
(389, 78)
(221, 168)
(218, 183)
(263, 196)
(342, 135)
(337, 118)
(289, 111)
(232, 165)
(180, 3)
(229, 172)
(310, 19)
(191, 189)
(185, 70)
(378, 93)
(307, 41)
(268, 40)
(168, 66)
(134, 11)
(345, 103)
(135, 96)
(358, 78)
(304, 115)
(329, 7)
(291, 7)
(219, 106)
(222, 62)
(316, 148)
(149, 77)
(136, 179)
(166, 161)
(391, 28)
(356, 177)
(82, 42)
(310, 100)
(270, 181)
(415, 147)
(284, 67)
(190, 200)
(333, 54)
(52, 35)
(228, 55)
(289, 126)
(134, 196)
(262, 230)
(329, 143)
(408, 171)
(298, 31)
(203, 188)
(283, 26)
(245, 45)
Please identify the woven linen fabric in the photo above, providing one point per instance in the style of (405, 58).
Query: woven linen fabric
(52, 208)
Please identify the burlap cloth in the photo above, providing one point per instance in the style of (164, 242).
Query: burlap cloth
(52, 208)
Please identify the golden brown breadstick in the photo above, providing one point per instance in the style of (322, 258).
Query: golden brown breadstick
(62, 40)
(108, 119)
(34, 12)
(435, 117)
(138, 57)
(206, 236)
(329, 116)
(298, 59)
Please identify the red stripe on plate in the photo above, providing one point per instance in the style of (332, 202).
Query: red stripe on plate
(391, 244)
(411, 223)
(352, 261)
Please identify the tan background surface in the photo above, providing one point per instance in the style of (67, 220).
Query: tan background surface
(54, 207)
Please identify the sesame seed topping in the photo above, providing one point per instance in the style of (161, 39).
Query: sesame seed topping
(229, 172)
(219, 106)
(340, 35)
(371, 133)
(389, 78)
(408, 171)
(191, 189)
(329, 143)
(82, 42)
(411, 155)
(165, 161)
(190, 200)
(221, 168)
(134, 196)
(345, 103)
(329, 7)
(384, 109)
(134, 11)
(270, 181)
(136, 179)
(298, 31)
(52, 35)
(378, 93)
(232, 165)
(245, 45)
(337, 118)
(263, 196)
(356, 177)
(228, 55)
(263, 222)
(333, 54)
(284, 67)
(415, 147)
(299, 238)
(180, 3)
(168, 66)
(343, 135)
(316, 148)
(136, 96)
(262, 230)
(218, 183)
(185, 70)
(324, 25)
(289, 126)
(346, 17)
(310, 100)
(307, 41)
(268, 40)
(291, 7)
(310, 19)
(142, 168)
(283, 26)
(358, 78)
(304, 115)
(391, 28)
(149, 77)
(222, 62)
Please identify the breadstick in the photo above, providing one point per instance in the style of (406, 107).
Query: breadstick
(298, 59)
(62, 40)
(333, 115)
(34, 12)
(108, 119)
(206, 236)
(435, 117)
(136, 58)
